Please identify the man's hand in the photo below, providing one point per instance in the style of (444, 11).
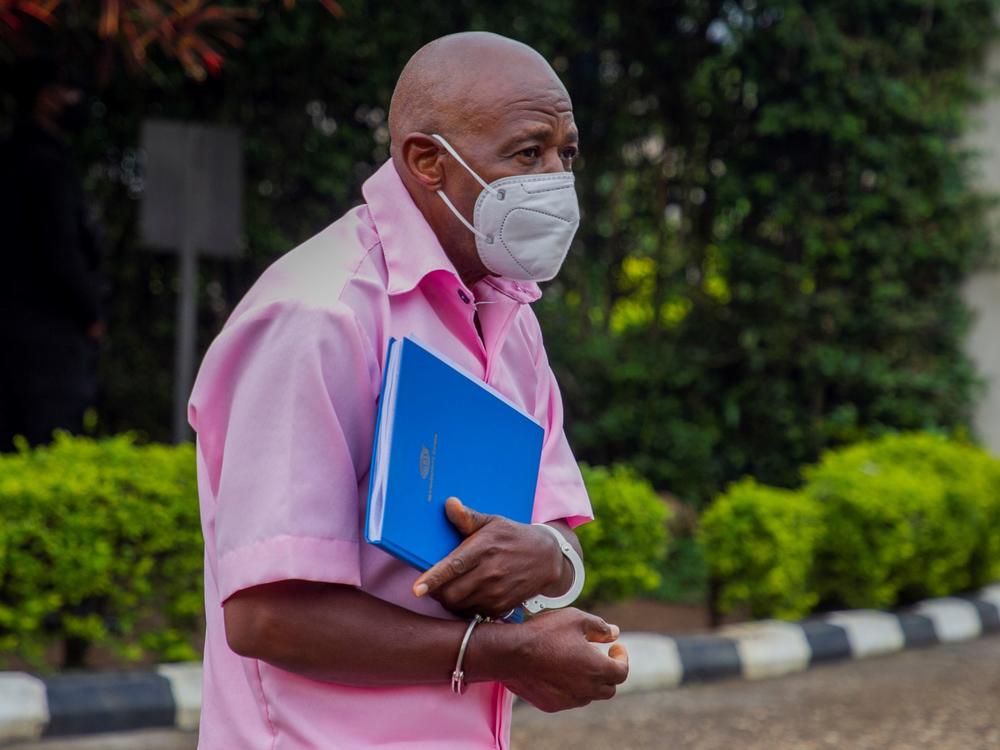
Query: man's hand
(554, 664)
(500, 564)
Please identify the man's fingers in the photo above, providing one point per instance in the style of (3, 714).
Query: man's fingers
(463, 518)
(619, 654)
(597, 630)
(476, 591)
(455, 565)
(463, 558)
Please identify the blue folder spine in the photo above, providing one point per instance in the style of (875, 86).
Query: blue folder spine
(378, 422)
(403, 554)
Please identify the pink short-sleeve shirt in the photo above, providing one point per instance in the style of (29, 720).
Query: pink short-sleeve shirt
(284, 408)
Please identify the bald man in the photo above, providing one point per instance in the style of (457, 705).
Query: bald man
(314, 638)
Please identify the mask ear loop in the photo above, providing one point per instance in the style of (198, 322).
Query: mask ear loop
(460, 160)
(462, 219)
(448, 147)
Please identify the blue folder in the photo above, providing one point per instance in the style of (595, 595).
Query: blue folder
(442, 432)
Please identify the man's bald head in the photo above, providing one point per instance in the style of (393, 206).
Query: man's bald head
(453, 83)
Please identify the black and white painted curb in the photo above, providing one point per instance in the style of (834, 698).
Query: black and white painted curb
(770, 648)
(32, 707)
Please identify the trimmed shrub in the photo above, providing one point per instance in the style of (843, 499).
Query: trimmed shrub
(876, 524)
(628, 539)
(877, 516)
(100, 544)
(972, 484)
(761, 542)
(907, 516)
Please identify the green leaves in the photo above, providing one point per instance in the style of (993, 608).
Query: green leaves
(876, 524)
(802, 237)
(628, 540)
(99, 537)
(101, 543)
(760, 543)
(777, 212)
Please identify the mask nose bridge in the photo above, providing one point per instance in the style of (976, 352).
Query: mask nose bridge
(547, 183)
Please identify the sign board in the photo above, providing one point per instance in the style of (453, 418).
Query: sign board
(193, 188)
(192, 205)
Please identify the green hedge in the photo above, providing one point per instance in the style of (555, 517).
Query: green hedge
(100, 544)
(972, 485)
(628, 540)
(875, 524)
(761, 542)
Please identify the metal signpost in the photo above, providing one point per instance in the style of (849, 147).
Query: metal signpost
(192, 203)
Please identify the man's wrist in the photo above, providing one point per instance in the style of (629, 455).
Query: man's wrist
(491, 652)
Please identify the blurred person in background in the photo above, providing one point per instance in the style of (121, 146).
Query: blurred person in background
(50, 285)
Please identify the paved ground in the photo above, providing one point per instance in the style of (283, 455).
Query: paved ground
(942, 698)
(151, 740)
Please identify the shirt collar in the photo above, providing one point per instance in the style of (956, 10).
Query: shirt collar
(411, 249)
(524, 292)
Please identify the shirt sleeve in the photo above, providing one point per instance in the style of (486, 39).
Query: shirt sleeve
(560, 494)
(284, 406)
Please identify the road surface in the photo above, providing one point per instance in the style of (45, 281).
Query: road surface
(940, 698)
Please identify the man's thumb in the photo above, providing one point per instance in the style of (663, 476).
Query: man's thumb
(597, 630)
(618, 652)
(466, 520)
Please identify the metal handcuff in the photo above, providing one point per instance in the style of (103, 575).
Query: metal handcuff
(534, 605)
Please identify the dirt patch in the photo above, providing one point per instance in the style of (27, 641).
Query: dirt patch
(659, 617)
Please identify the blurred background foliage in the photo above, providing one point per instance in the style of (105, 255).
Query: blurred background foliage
(100, 546)
(876, 524)
(627, 542)
(777, 211)
(101, 550)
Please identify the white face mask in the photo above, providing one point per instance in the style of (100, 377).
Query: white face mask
(523, 224)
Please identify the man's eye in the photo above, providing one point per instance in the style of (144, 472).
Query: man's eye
(570, 153)
(532, 153)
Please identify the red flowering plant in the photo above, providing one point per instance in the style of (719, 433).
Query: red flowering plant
(195, 33)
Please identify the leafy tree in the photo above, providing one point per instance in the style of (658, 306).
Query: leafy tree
(778, 219)
(777, 212)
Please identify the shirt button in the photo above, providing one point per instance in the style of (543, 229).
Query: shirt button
(463, 296)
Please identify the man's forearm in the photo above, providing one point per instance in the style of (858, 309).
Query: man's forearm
(340, 634)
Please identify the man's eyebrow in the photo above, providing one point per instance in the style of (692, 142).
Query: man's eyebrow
(538, 132)
(534, 133)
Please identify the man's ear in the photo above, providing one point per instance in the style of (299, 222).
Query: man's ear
(422, 156)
